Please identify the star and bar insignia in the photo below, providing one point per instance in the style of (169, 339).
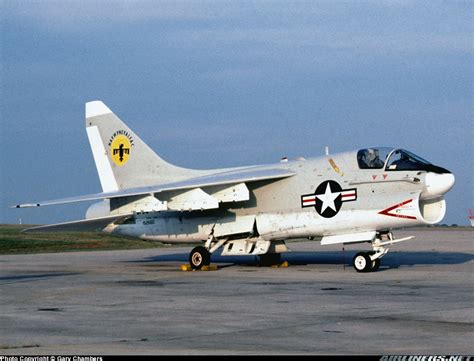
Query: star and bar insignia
(328, 198)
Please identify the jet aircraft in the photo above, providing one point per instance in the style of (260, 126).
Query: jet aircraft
(351, 197)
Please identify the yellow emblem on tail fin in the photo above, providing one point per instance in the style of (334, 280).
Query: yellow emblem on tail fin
(120, 150)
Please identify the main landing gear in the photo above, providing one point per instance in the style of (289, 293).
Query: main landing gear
(267, 254)
(199, 257)
(370, 261)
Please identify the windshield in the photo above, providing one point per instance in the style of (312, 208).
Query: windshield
(373, 158)
(402, 159)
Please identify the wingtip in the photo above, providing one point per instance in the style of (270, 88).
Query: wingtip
(96, 108)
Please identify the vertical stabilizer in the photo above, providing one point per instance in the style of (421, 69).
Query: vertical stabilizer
(122, 159)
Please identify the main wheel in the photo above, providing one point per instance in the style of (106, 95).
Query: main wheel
(199, 257)
(362, 262)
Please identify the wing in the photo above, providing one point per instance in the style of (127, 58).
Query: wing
(190, 188)
(93, 224)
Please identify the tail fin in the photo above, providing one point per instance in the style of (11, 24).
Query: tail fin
(122, 159)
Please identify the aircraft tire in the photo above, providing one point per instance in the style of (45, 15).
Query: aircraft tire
(199, 257)
(375, 265)
(362, 262)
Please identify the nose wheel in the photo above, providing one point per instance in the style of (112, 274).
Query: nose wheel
(363, 262)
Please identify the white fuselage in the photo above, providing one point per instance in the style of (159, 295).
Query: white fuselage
(368, 200)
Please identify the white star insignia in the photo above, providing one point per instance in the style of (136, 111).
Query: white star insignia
(328, 199)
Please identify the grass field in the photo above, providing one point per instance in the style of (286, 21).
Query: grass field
(12, 241)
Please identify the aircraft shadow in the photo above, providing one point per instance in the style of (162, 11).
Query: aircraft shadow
(392, 260)
(34, 277)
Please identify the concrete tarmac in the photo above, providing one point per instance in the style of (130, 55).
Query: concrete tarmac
(139, 302)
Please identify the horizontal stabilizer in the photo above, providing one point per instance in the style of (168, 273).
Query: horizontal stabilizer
(94, 224)
(231, 177)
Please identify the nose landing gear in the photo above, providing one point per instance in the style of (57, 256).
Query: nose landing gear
(370, 261)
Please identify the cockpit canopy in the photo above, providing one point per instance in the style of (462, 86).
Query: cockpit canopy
(373, 158)
(392, 159)
(401, 159)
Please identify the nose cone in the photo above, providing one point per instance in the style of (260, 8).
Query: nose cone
(437, 184)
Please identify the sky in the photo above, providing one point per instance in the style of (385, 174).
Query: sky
(211, 84)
